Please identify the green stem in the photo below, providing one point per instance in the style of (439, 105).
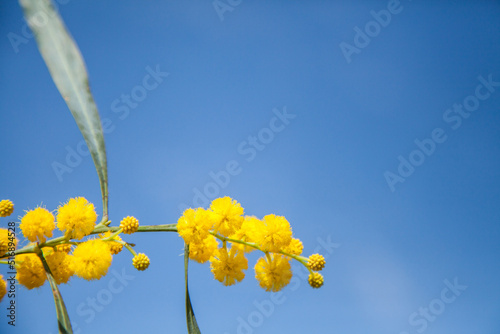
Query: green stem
(98, 229)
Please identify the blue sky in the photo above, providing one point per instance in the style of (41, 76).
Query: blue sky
(415, 254)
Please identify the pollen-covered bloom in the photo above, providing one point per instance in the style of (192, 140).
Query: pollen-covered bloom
(30, 271)
(194, 225)
(140, 261)
(37, 224)
(273, 272)
(129, 225)
(6, 208)
(7, 242)
(315, 280)
(316, 262)
(60, 265)
(91, 259)
(114, 246)
(227, 266)
(246, 233)
(227, 215)
(3, 287)
(76, 218)
(275, 234)
(201, 252)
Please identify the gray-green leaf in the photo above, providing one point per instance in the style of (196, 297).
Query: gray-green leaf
(67, 68)
(62, 314)
(192, 325)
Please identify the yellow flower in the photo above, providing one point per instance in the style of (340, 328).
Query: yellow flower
(194, 225)
(227, 215)
(30, 271)
(316, 262)
(140, 261)
(129, 225)
(91, 259)
(275, 234)
(228, 267)
(76, 218)
(274, 274)
(6, 208)
(60, 265)
(315, 280)
(37, 224)
(3, 287)
(114, 246)
(201, 252)
(246, 233)
(295, 247)
(7, 243)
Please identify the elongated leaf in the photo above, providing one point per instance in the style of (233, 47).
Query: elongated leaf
(67, 68)
(192, 325)
(62, 314)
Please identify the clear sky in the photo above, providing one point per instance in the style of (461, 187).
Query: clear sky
(385, 156)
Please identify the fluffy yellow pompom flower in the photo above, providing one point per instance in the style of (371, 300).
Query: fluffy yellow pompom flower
(316, 262)
(37, 224)
(7, 243)
(275, 234)
(129, 225)
(6, 208)
(114, 246)
(227, 215)
(246, 233)
(295, 247)
(201, 252)
(30, 271)
(91, 259)
(227, 266)
(315, 280)
(140, 261)
(275, 274)
(3, 287)
(60, 265)
(76, 218)
(194, 225)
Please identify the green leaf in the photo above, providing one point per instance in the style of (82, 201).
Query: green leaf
(62, 313)
(67, 68)
(192, 325)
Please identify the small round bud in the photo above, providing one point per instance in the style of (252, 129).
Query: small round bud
(66, 248)
(296, 247)
(140, 261)
(315, 280)
(129, 225)
(316, 262)
(6, 208)
(114, 245)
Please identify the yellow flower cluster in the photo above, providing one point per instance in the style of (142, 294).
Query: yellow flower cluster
(89, 259)
(76, 219)
(224, 221)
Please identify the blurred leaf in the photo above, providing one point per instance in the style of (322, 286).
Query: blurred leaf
(62, 313)
(66, 66)
(192, 325)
